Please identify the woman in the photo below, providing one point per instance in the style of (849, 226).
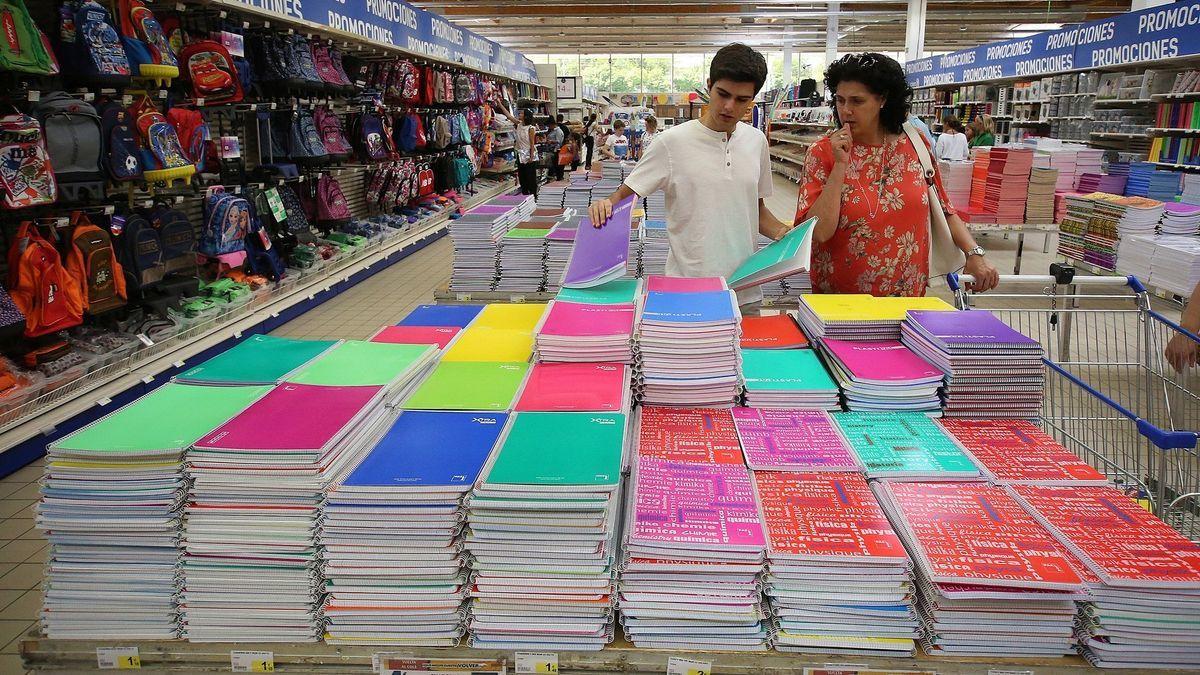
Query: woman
(864, 184)
(526, 147)
(591, 132)
(951, 145)
(985, 132)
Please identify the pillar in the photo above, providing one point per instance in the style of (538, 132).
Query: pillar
(914, 33)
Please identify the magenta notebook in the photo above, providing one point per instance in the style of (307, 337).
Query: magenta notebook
(292, 417)
(491, 209)
(574, 387)
(882, 361)
(417, 335)
(791, 440)
(577, 319)
(695, 506)
(664, 284)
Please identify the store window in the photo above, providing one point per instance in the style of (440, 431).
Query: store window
(568, 64)
(596, 71)
(690, 72)
(656, 72)
(626, 73)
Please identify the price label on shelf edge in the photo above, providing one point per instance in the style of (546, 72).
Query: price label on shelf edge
(118, 658)
(537, 662)
(252, 662)
(681, 666)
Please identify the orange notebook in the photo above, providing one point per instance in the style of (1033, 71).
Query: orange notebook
(772, 332)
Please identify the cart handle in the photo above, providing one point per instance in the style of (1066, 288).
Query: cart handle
(1162, 438)
(956, 280)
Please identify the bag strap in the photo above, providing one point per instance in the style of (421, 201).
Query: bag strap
(914, 137)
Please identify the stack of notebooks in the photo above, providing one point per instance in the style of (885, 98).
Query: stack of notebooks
(1145, 599)
(522, 258)
(1180, 219)
(1039, 205)
(600, 254)
(1073, 226)
(1087, 160)
(775, 331)
(1164, 185)
(396, 368)
(1008, 183)
(775, 288)
(1066, 161)
(1103, 233)
(583, 332)
(542, 529)
(786, 257)
(860, 317)
(991, 370)
(704, 435)
(656, 206)
(1102, 182)
(788, 378)
(559, 242)
(576, 387)
(112, 497)
(904, 446)
(1138, 184)
(469, 385)
(501, 333)
(792, 440)
(259, 359)
(656, 247)
(1176, 264)
(687, 342)
(395, 571)
(579, 194)
(693, 552)
(992, 580)
(883, 375)
(1191, 189)
(474, 236)
(956, 179)
(1135, 256)
(251, 568)
(615, 169)
(838, 579)
(979, 176)
(437, 325)
(552, 194)
(1018, 452)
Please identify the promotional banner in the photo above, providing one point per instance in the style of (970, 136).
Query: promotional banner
(399, 24)
(1165, 32)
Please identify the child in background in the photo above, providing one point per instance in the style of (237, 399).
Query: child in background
(649, 136)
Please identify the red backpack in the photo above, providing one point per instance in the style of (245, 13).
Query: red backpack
(40, 285)
(194, 135)
(332, 206)
(210, 69)
(409, 76)
(428, 85)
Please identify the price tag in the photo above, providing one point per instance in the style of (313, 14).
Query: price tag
(276, 203)
(252, 662)
(518, 299)
(998, 671)
(145, 339)
(34, 96)
(463, 297)
(118, 658)
(126, 99)
(678, 666)
(537, 662)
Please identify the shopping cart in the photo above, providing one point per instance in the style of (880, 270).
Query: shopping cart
(1110, 394)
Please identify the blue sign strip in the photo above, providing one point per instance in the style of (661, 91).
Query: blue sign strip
(1164, 32)
(399, 24)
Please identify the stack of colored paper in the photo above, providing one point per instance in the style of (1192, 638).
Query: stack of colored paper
(956, 179)
(600, 254)
(552, 194)
(687, 344)
(883, 375)
(1181, 219)
(904, 445)
(580, 332)
(1018, 452)
(397, 368)
(112, 497)
(1176, 264)
(576, 387)
(777, 331)
(860, 317)
(522, 259)
(1008, 183)
(1039, 204)
(395, 571)
(694, 549)
(656, 247)
(783, 258)
(792, 440)
(259, 359)
(559, 242)
(253, 510)
(475, 261)
(993, 581)
(1073, 226)
(1102, 182)
(788, 378)
(979, 175)
(991, 370)
(1143, 608)
(838, 579)
(542, 531)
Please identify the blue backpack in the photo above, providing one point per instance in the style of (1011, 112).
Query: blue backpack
(306, 145)
(406, 134)
(227, 219)
(121, 158)
(91, 46)
(302, 60)
(371, 137)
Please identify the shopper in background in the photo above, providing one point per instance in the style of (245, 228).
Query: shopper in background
(577, 144)
(951, 145)
(919, 123)
(649, 136)
(985, 132)
(716, 173)
(592, 132)
(1182, 349)
(555, 139)
(616, 146)
(865, 185)
(526, 146)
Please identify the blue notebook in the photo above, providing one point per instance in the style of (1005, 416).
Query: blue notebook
(690, 308)
(441, 315)
(430, 450)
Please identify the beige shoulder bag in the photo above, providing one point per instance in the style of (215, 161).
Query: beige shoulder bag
(944, 256)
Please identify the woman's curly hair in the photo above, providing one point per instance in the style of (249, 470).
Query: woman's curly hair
(881, 74)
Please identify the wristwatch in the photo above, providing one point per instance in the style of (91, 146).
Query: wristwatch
(978, 250)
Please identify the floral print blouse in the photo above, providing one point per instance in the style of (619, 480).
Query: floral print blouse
(881, 245)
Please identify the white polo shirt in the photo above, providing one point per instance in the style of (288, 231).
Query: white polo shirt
(713, 182)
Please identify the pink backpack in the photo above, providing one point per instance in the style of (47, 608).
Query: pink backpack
(333, 135)
(332, 206)
(409, 81)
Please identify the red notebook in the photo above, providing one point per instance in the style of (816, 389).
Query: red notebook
(1017, 452)
(772, 332)
(705, 435)
(417, 335)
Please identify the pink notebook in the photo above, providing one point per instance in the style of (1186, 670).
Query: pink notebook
(292, 417)
(574, 387)
(882, 361)
(656, 283)
(708, 507)
(417, 335)
(574, 319)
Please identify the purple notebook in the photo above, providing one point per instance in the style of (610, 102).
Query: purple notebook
(562, 234)
(792, 440)
(695, 506)
(973, 328)
(600, 253)
(490, 209)
(292, 417)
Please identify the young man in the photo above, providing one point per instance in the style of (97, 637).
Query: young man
(716, 172)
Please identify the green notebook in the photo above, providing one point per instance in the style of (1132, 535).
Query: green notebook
(561, 449)
(779, 259)
(355, 363)
(903, 444)
(785, 370)
(172, 417)
(616, 292)
(259, 359)
(526, 233)
(469, 385)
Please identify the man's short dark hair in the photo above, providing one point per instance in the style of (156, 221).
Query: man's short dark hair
(738, 63)
(619, 124)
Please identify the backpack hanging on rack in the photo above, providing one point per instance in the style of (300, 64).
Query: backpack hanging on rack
(92, 263)
(23, 46)
(91, 46)
(302, 57)
(74, 141)
(333, 135)
(210, 69)
(410, 82)
(226, 222)
(146, 45)
(163, 156)
(194, 134)
(26, 176)
(140, 250)
(40, 286)
(178, 237)
(305, 145)
(272, 152)
(121, 159)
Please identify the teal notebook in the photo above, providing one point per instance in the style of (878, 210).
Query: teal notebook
(616, 292)
(903, 444)
(259, 359)
(785, 370)
(170, 418)
(355, 363)
(560, 449)
(780, 259)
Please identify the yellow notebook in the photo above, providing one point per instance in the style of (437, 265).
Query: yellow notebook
(510, 317)
(491, 344)
(862, 307)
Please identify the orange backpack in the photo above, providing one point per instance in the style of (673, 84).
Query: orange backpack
(40, 286)
(92, 263)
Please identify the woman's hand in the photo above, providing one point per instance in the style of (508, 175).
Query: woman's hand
(986, 276)
(1181, 352)
(841, 140)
